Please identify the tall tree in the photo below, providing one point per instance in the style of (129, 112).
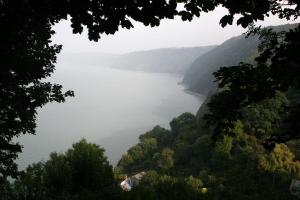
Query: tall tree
(83, 172)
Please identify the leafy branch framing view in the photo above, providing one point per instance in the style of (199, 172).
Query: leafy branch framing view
(28, 57)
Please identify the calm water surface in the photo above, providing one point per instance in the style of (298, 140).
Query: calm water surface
(111, 107)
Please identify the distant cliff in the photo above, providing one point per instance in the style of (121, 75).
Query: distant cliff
(167, 60)
(198, 77)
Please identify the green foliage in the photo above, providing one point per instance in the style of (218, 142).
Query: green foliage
(57, 175)
(263, 119)
(168, 187)
(125, 161)
(136, 152)
(194, 183)
(6, 191)
(82, 172)
(247, 84)
(163, 137)
(30, 184)
(250, 115)
(157, 147)
(281, 160)
(183, 123)
(27, 58)
(165, 160)
(90, 169)
(142, 156)
(229, 167)
(201, 151)
(149, 144)
(224, 146)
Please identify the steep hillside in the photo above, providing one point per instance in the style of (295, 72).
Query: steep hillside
(167, 60)
(199, 78)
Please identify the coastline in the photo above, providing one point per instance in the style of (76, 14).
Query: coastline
(188, 91)
(195, 94)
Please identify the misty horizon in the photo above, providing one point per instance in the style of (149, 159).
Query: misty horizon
(202, 31)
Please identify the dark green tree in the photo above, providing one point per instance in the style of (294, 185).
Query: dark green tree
(27, 57)
(83, 172)
(165, 160)
(57, 177)
(264, 119)
(30, 184)
(91, 174)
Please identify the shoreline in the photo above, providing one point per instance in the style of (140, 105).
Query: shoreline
(203, 97)
(188, 91)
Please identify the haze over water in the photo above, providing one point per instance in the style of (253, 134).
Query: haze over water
(111, 107)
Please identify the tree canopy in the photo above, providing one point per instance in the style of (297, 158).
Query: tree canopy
(81, 172)
(28, 56)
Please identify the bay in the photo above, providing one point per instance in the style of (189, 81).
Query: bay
(111, 107)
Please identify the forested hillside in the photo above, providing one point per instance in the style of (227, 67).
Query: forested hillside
(199, 77)
(183, 162)
(168, 60)
(187, 161)
(244, 142)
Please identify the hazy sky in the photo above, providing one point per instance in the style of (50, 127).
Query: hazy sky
(171, 33)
